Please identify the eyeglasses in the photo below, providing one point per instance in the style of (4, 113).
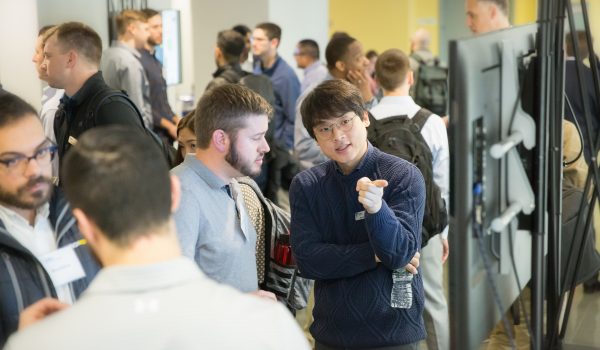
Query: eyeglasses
(326, 132)
(18, 164)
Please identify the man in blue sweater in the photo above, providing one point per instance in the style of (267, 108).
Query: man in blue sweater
(356, 224)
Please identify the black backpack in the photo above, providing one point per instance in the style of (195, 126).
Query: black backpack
(401, 136)
(283, 280)
(431, 86)
(100, 98)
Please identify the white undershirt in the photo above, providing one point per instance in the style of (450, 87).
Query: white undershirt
(38, 239)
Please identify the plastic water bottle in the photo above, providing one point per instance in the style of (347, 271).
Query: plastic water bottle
(401, 297)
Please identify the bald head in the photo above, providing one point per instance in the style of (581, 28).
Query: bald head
(420, 40)
(486, 15)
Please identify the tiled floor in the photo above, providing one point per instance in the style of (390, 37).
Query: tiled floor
(584, 324)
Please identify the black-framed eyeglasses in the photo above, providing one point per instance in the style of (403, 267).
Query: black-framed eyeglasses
(17, 164)
(325, 132)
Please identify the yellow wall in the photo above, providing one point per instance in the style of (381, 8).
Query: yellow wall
(524, 11)
(384, 24)
(594, 15)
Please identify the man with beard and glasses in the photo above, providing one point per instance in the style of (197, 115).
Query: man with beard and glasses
(37, 229)
(212, 223)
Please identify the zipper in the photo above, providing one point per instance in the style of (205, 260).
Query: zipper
(62, 214)
(64, 231)
(14, 280)
(45, 284)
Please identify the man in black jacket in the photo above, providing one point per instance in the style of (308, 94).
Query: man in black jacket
(35, 220)
(72, 57)
(230, 46)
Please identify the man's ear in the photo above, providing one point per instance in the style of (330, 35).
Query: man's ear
(341, 66)
(73, 57)
(175, 193)
(220, 140)
(365, 119)
(275, 42)
(86, 226)
(410, 78)
(493, 10)
(218, 53)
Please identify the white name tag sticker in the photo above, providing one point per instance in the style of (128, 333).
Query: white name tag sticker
(359, 215)
(63, 266)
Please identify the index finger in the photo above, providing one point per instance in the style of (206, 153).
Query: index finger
(380, 183)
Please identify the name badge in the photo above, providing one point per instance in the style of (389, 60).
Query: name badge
(72, 140)
(63, 266)
(359, 215)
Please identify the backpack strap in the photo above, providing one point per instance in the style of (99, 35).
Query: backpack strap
(100, 98)
(421, 117)
(418, 58)
(372, 129)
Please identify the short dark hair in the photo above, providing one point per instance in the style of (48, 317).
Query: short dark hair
(338, 34)
(501, 4)
(242, 29)
(231, 44)
(272, 30)
(81, 38)
(187, 122)
(149, 13)
(337, 49)
(117, 178)
(226, 108)
(391, 69)
(13, 108)
(310, 48)
(371, 53)
(331, 99)
(584, 51)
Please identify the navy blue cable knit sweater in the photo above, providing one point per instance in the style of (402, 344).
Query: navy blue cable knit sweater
(334, 246)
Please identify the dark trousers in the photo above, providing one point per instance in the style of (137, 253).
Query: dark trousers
(413, 346)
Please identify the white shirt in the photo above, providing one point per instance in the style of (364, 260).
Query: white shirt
(38, 239)
(434, 132)
(50, 101)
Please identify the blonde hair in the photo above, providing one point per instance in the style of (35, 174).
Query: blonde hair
(127, 17)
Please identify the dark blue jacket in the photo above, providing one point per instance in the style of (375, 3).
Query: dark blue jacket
(287, 90)
(23, 279)
(336, 245)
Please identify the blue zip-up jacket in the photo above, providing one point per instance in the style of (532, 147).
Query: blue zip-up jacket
(23, 279)
(286, 86)
(335, 242)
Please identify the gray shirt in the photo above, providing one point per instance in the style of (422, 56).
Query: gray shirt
(122, 70)
(168, 305)
(213, 228)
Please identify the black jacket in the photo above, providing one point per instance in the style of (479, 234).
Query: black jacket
(73, 115)
(23, 279)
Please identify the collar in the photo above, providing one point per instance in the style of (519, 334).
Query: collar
(144, 278)
(313, 66)
(235, 67)
(361, 164)
(9, 214)
(395, 100)
(86, 91)
(117, 43)
(204, 172)
(269, 71)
